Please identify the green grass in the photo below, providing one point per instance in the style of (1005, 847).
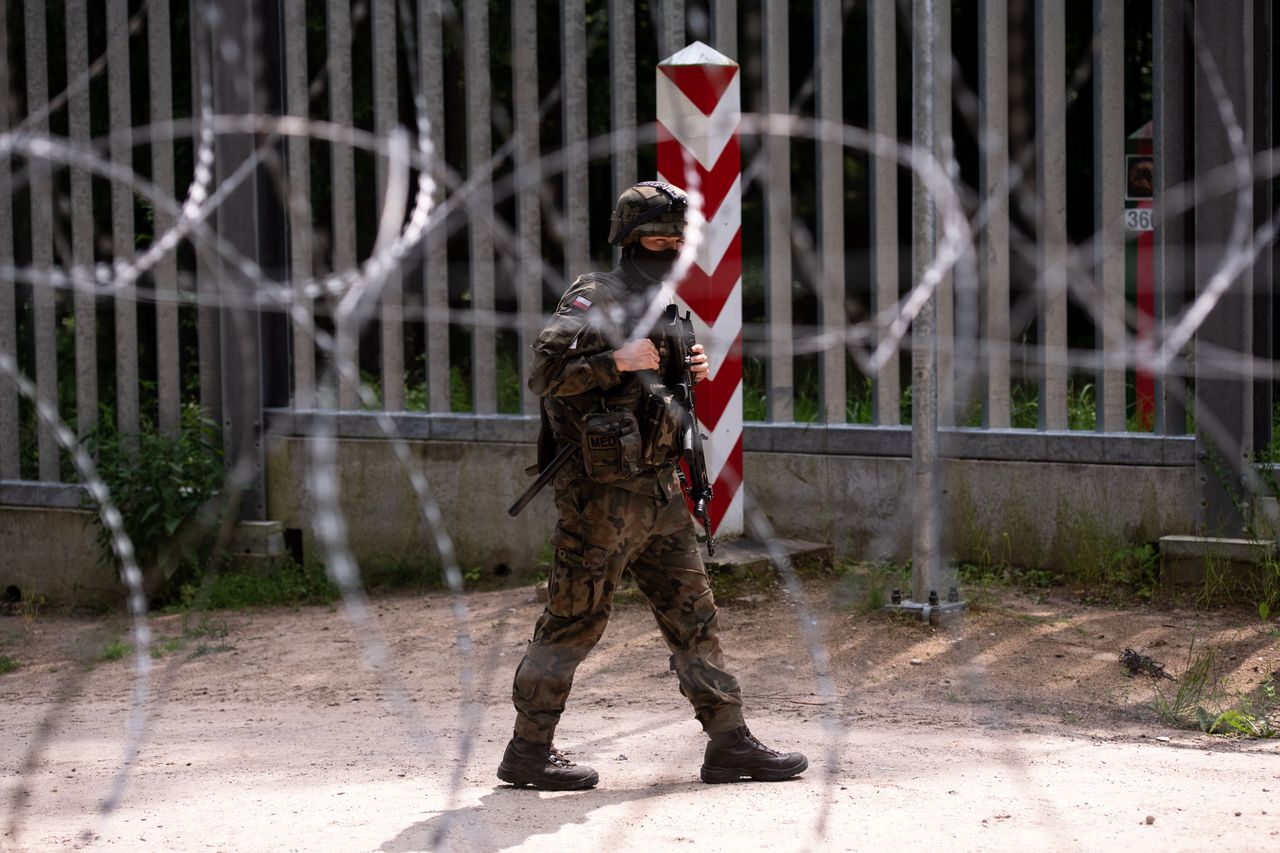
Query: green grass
(8, 664)
(866, 587)
(202, 630)
(166, 647)
(113, 650)
(741, 581)
(1024, 412)
(290, 584)
(415, 575)
(508, 381)
(203, 649)
(1198, 701)
(980, 582)
(1102, 571)
(294, 585)
(205, 628)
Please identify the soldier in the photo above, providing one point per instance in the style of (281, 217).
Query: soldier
(621, 507)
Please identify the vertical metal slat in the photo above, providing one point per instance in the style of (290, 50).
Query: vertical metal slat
(993, 96)
(208, 319)
(1051, 188)
(724, 27)
(82, 223)
(480, 209)
(43, 296)
(1108, 209)
(573, 52)
(9, 452)
(1170, 161)
(622, 71)
(386, 115)
(781, 390)
(528, 173)
(346, 345)
(165, 272)
(298, 151)
(431, 66)
(883, 188)
(829, 26)
(945, 152)
(122, 224)
(671, 34)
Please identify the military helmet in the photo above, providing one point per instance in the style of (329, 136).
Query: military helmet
(650, 208)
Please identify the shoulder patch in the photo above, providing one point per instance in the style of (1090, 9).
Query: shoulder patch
(580, 302)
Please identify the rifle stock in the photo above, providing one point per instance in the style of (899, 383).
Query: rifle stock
(543, 478)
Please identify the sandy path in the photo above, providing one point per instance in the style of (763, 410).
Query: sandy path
(276, 737)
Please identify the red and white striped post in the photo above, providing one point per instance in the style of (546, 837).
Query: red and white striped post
(698, 112)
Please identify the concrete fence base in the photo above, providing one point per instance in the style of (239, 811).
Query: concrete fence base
(1051, 515)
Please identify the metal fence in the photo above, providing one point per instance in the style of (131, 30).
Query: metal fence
(195, 189)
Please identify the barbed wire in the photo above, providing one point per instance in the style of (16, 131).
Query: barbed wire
(408, 213)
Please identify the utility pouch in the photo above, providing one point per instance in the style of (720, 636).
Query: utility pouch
(661, 428)
(611, 446)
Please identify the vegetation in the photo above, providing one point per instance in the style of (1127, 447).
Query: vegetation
(867, 587)
(508, 381)
(156, 481)
(1082, 412)
(1197, 701)
(205, 633)
(114, 650)
(1261, 586)
(1099, 572)
(289, 584)
(8, 664)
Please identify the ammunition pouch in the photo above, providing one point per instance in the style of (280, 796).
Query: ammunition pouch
(662, 426)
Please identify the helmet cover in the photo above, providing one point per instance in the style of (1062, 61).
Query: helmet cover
(650, 208)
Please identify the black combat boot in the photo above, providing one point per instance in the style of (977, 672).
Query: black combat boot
(543, 766)
(736, 756)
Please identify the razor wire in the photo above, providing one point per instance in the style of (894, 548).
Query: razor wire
(403, 225)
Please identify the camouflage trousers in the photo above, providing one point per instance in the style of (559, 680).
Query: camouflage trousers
(602, 531)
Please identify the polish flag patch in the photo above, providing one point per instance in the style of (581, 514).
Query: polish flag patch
(582, 303)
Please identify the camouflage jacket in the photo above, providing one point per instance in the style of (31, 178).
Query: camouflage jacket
(574, 372)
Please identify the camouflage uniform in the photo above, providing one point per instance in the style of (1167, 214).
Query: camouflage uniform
(639, 523)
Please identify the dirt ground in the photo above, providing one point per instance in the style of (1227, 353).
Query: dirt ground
(1015, 728)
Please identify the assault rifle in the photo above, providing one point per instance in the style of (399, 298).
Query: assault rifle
(675, 374)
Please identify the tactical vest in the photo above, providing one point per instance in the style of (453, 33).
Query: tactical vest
(608, 321)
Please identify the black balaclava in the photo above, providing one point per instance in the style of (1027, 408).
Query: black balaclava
(652, 265)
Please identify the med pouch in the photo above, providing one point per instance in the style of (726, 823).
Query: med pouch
(611, 446)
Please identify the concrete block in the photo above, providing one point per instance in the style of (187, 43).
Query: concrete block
(1267, 517)
(257, 538)
(1231, 564)
(257, 547)
(471, 483)
(744, 556)
(54, 554)
(1004, 512)
(1043, 515)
